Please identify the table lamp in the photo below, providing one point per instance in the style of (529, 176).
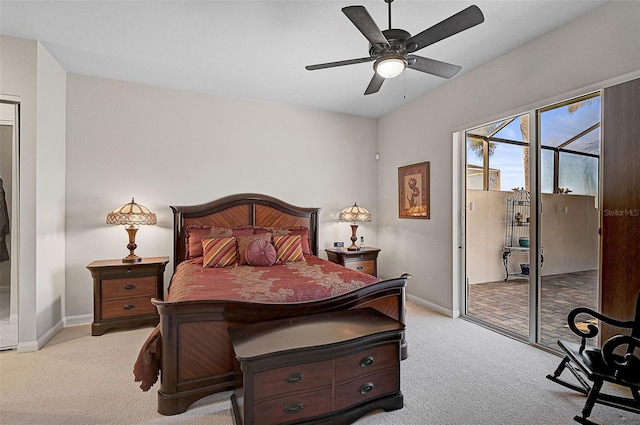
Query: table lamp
(354, 214)
(133, 215)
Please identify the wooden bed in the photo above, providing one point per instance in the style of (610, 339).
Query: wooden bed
(194, 351)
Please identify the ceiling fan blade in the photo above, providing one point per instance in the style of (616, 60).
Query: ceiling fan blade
(367, 26)
(374, 84)
(339, 63)
(465, 19)
(432, 66)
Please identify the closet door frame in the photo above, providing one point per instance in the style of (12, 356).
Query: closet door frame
(15, 205)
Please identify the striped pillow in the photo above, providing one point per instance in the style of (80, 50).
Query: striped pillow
(288, 248)
(219, 252)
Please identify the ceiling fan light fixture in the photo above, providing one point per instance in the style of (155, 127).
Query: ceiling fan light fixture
(390, 65)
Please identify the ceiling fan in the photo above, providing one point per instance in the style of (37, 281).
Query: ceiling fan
(392, 49)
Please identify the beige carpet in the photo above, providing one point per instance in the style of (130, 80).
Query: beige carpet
(457, 373)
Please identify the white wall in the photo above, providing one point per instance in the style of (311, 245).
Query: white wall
(169, 147)
(599, 46)
(570, 240)
(50, 191)
(28, 71)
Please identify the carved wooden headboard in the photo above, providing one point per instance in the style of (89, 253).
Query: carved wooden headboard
(241, 210)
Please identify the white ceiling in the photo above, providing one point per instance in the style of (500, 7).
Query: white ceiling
(258, 49)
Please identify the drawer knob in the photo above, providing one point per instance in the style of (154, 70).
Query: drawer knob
(129, 306)
(129, 287)
(366, 361)
(366, 388)
(359, 267)
(294, 407)
(294, 378)
(129, 270)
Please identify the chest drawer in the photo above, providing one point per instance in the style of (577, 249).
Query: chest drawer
(366, 362)
(364, 266)
(124, 307)
(131, 287)
(292, 379)
(367, 387)
(293, 407)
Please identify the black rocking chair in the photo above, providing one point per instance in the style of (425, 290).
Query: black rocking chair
(597, 366)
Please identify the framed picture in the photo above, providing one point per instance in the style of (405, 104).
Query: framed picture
(413, 191)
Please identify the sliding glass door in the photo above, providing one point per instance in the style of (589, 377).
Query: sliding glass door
(531, 243)
(569, 134)
(498, 218)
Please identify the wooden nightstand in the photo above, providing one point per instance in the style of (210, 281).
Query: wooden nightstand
(364, 260)
(122, 293)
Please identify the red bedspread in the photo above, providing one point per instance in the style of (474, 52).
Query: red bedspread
(300, 281)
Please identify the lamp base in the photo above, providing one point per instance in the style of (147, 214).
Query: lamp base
(131, 259)
(354, 238)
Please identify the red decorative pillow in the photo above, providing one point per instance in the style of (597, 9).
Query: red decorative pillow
(302, 231)
(243, 243)
(288, 248)
(195, 234)
(261, 253)
(219, 252)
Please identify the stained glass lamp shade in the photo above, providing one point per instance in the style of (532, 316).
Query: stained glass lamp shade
(131, 215)
(354, 214)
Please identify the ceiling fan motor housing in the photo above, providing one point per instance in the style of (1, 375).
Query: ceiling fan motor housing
(396, 39)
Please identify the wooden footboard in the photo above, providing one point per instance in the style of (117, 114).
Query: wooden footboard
(197, 357)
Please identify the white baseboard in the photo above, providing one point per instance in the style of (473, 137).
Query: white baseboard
(434, 307)
(25, 347)
(29, 346)
(83, 319)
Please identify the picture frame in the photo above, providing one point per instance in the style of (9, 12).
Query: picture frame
(414, 191)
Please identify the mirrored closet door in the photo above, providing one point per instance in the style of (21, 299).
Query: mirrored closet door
(9, 110)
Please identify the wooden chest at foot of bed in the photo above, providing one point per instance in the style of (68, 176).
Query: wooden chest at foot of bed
(324, 368)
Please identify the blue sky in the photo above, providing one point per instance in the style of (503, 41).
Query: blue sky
(557, 126)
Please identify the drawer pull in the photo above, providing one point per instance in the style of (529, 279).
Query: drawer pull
(294, 378)
(129, 287)
(128, 270)
(366, 388)
(294, 407)
(129, 306)
(366, 361)
(359, 267)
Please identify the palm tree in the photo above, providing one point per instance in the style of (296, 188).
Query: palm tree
(475, 140)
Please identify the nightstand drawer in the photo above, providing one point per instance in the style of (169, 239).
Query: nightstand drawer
(364, 260)
(366, 266)
(292, 379)
(125, 271)
(124, 307)
(133, 287)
